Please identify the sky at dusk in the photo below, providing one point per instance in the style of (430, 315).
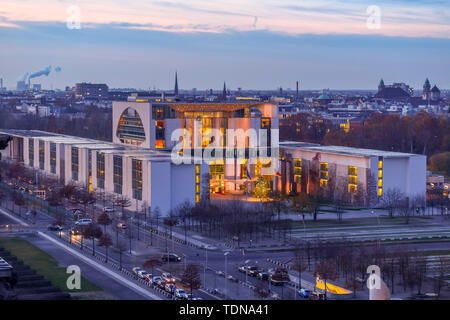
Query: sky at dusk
(251, 44)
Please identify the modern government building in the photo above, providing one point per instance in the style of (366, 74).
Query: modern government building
(139, 162)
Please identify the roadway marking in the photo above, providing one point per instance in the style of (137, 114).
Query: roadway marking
(14, 218)
(96, 265)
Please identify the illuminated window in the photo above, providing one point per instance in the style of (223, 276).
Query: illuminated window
(352, 179)
(52, 157)
(100, 170)
(117, 171)
(160, 142)
(380, 176)
(323, 174)
(41, 154)
(136, 179)
(197, 183)
(130, 129)
(298, 171)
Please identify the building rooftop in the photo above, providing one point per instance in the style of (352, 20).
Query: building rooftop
(356, 152)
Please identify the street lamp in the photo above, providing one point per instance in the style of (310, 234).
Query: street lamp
(226, 283)
(185, 260)
(206, 266)
(378, 219)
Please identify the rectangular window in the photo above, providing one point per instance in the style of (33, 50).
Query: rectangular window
(52, 157)
(41, 154)
(323, 174)
(160, 134)
(136, 179)
(75, 163)
(298, 171)
(352, 179)
(31, 151)
(197, 183)
(117, 174)
(380, 176)
(100, 170)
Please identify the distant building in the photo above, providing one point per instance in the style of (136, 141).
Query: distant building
(430, 93)
(91, 90)
(396, 91)
(22, 86)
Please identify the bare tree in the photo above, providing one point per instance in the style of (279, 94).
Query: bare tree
(391, 200)
(152, 263)
(104, 220)
(191, 277)
(105, 241)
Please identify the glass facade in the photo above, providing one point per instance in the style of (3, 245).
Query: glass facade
(100, 170)
(197, 183)
(75, 163)
(352, 179)
(41, 155)
(53, 157)
(136, 179)
(131, 129)
(117, 160)
(380, 176)
(31, 152)
(323, 174)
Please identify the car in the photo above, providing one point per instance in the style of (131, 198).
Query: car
(180, 293)
(83, 222)
(170, 288)
(30, 213)
(188, 296)
(136, 270)
(220, 273)
(304, 293)
(76, 231)
(231, 278)
(242, 269)
(91, 201)
(172, 257)
(142, 273)
(122, 225)
(149, 277)
(108, 209)
(54, 227)
(168, 277)
(156, 280)
(263, 275)
(252, 271)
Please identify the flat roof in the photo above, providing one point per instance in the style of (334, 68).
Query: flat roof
(349, 151)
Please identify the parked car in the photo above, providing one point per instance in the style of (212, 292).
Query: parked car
(180, 293)
(54, 227)
(142, 273)
(170, 287)
(220, 273)
(83, 222)
(263, 275)
(304, 293)
(136, 270)
(108, 209)
(172, 257)
(168, 277)
(188, 296)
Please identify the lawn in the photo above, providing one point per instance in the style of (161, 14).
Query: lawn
(43, 263)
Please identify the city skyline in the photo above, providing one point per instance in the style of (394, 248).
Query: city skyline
(257, 45)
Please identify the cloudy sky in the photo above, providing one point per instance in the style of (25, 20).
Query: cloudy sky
(344, 44)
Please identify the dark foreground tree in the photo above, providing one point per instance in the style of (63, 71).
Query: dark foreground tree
(191, 277)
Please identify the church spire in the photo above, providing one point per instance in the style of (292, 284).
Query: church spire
(224, 92)
(176, 84)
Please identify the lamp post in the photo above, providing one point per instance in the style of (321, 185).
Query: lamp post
(378, 219)
(206, 266)
(226, 283)
(185, 260)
